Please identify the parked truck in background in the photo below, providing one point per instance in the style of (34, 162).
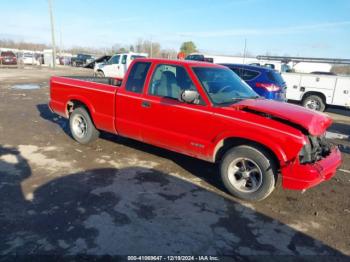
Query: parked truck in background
(316, 91)
(117, 65)
(221, 59)
(205, 111)
(81, 60)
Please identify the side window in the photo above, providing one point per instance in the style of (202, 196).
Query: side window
(247, 75)
(137, 77)
(236, 70)
(115, 59)
(169, 81)
(124, 59)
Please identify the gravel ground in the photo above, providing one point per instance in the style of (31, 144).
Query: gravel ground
(119, 196)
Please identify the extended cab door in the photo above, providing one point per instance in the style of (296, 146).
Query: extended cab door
(169, 123)
(129, 101)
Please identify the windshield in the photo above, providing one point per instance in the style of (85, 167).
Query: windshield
(223, 86)
(7, 54)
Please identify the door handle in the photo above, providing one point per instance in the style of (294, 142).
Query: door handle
(346, 92)
(146, 104)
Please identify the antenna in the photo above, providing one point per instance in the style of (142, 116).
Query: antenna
(61, 46)
(245, 50)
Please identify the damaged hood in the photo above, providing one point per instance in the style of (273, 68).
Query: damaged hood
(314, 122)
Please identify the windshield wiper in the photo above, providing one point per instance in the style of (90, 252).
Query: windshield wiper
(244, 98)
(237, 99)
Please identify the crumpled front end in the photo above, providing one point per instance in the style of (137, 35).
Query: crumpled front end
(318, 161)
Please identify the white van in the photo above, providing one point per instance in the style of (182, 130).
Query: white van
(315, 91)
(117, 65)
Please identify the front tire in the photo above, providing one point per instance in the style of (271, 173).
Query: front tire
(81, 126)
(248, 173)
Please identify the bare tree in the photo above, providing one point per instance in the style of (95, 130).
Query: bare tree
(341, 69)
(141, 46)
(7, 43)
(168, 54)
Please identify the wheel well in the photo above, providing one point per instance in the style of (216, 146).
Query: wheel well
(319, 94)
(73, 104)
(229, 143)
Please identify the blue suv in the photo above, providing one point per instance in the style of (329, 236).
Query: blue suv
(265, 81)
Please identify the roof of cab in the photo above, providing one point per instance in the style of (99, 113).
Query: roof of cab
(178, 62)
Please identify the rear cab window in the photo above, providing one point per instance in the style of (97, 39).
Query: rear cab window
(137, 76)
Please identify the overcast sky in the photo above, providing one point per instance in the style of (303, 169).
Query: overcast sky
(318, 28)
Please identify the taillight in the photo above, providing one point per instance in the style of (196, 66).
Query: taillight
(268, 87)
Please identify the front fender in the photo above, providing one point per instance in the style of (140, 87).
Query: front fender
(258, 138)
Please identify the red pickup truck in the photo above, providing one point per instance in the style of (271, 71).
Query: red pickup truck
(205, 111)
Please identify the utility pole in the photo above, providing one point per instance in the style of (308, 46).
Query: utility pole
(151, 53)
(61, 46)
(52, 36)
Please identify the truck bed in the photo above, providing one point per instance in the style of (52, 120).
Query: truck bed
(98, 94)
(102, 80)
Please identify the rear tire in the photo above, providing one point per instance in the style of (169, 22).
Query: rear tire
(314, 102)
(248, 173)
(81, 126)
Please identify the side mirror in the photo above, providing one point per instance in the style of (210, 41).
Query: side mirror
(189, 96)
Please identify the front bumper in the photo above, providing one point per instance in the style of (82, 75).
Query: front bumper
(8, 63)
(298, 177)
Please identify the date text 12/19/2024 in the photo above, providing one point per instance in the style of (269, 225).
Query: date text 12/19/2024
(173, 258)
